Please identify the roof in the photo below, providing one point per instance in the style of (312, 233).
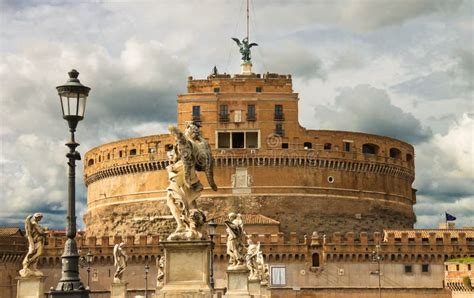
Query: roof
(425, 233)
(250, 219)
(466, 260)
(10, 231)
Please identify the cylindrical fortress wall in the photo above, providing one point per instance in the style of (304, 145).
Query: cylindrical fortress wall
(317, 189)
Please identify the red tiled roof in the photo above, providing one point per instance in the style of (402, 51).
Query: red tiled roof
(250, 219)
(425, 233)
(10, 231)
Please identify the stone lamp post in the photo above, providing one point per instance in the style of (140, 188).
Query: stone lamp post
(72, 97)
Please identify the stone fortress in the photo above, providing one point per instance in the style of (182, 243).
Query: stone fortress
(265, 163)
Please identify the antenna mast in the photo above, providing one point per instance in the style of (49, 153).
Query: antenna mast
(247, 19)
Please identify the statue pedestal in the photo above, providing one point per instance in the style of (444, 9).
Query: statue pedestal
(187, 266)
(246, 68)
(118, 290)
(254, 288)
(264, 292)
(238, 283)
(30, 287)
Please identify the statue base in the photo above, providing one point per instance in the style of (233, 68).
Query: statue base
(238, 283)
(255, 288)
(118, 290)
(186, 269)
(31, 286)
(246, 68)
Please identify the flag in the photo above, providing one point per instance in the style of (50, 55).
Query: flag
(449, 217)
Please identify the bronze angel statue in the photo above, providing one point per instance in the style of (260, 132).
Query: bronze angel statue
(189, 155)
(245, 48)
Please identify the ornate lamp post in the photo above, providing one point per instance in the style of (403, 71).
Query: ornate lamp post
(89, 258)
(212, 232)
(72, 96)
(376, 257)
(147, 268)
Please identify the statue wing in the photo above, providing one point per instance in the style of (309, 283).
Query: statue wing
(252, 44)
(116, 254)
(185, 152)
(206, 162)
(28, 227)
(237, 41)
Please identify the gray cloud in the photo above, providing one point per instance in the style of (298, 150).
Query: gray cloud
(368, 109)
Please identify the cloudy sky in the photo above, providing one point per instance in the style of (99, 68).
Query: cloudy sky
(398, 68)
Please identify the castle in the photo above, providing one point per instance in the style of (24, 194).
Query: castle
(323, 204)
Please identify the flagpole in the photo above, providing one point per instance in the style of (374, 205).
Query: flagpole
(446, 219)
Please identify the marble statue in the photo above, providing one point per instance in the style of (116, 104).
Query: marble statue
(36, 235)
(265, 277)
(235, 241)
(120, 261)
(245, 48)
(190, 154)
(160, 278)
(253, 250)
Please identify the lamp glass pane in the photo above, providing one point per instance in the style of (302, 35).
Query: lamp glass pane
(82, 106)
(63, 101)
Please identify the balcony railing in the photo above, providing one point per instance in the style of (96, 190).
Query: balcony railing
(224, 117)
(280, 132)
(251, 117)
(197, 118)
(279, 117)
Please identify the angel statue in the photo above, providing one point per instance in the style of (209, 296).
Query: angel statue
(253, 250)
(244, 48)
(189, 155)
(160, 278)
(120, 261)
(36, 235)
(235, 241)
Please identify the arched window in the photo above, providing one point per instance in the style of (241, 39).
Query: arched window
(108, 156)
(308, 145)
(315, 259)
(409, 157)
(327, 146)
(90, 162)
(133, 152)
(370, 149)
(395, 153)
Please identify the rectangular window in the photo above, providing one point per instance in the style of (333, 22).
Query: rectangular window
(278, 275)
(279, 129)
(252, 139)
(196, 112)
(278, 112)
(284, 145)
(223, 140)
(347, 146)
(425, 268)
(258, 89)
(408, 269)
(217, 90)
(238, 140)
(251, 113)
(224, 113)
(468, 267)
(457, 267)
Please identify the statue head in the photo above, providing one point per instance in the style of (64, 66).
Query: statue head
(192, 130)
(232, 216)
(38, 216)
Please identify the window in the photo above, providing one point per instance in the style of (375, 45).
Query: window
(284, 145)
(223, 113)
(409, 157)
(258, 89)
(90, 162)
(151, 150)
(238, 140)
(346, 146)
(315, 259)
(395, 153)
(278, 112)
(133, 152)
(108, 156)
(308, 145)
(279, 129)
(120, 153)
(408, 269)
(223, 140)
(252, 139)
(468, 267)
(457, 267)
(446, 268)
(425, 268)
(278, 275)
(327, 146)
(196, 113)
(251, 113)
(370, 149)
(217, 90)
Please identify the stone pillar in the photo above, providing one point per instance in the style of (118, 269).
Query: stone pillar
(118, 290)
(238, 283)
(246, 68)
(187, 266)
(254, 288)
(30, 287)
